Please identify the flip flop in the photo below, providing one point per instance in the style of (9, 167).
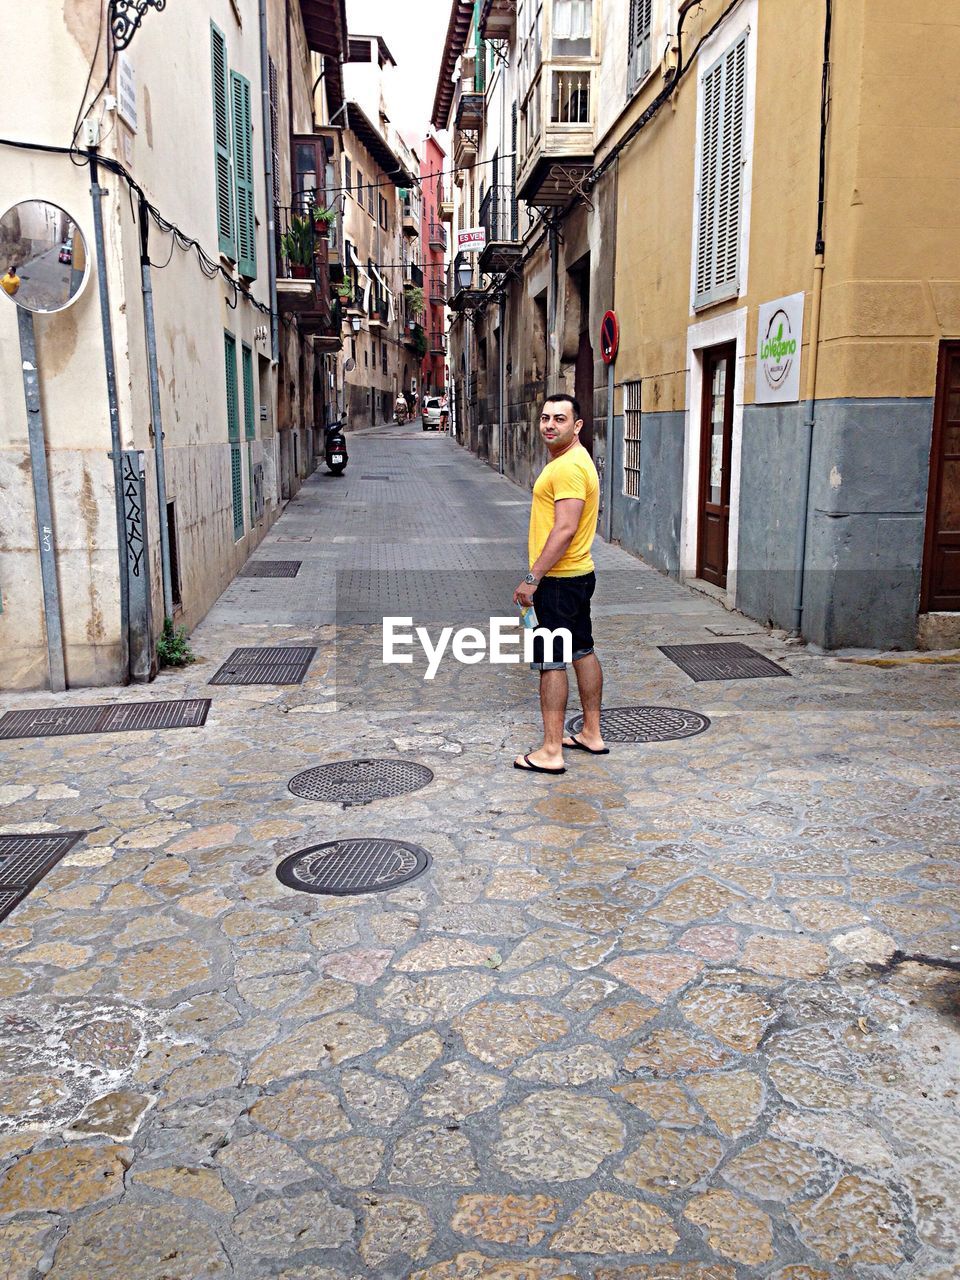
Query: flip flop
(530, 767)
(576, 745)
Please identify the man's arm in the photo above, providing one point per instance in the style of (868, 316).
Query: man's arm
(567, 512)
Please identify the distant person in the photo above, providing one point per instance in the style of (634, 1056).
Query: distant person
(11, 281)
(400, 409)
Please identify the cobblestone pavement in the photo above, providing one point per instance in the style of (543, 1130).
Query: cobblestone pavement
(660, 1019)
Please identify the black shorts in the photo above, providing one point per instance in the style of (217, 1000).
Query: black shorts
(564, 602)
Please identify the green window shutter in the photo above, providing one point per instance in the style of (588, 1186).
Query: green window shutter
(226, 235)
(243, 175)
(236, 484)
(230, 360)
(249, 417)
(233, 433)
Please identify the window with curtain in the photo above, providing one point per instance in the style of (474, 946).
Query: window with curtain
(572, 28)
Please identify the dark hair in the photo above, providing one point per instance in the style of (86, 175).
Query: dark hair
(563, 395)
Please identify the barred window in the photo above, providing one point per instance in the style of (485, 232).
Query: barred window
(631, 439)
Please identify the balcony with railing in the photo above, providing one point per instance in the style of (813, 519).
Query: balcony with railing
(412, 274)
(303, 275)
(438, 343)
(410, 219)
(468, 104)
(379, 314)
(464, 285)
(437, 287)
(498, 18)
(499, 216)
(437, 236)
(557, 131)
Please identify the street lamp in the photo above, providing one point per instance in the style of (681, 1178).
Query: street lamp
(464, 270)
(355, 324)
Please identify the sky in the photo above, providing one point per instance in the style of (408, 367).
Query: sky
(414, 33)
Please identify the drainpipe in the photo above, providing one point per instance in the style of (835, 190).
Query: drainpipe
(810, 419)
(553, 349)
(153, 375)
(116, 456)
(268, 141)
(502, 378)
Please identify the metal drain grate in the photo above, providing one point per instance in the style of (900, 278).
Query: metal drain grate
(120, 717)
(646, 724)
(271, 569)
(280, 664)
(732, 661)
(353, 866)
(371, 477)
(350, 782)
(25, 860)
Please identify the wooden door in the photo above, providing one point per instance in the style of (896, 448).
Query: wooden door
(716, 436)
(941, 561)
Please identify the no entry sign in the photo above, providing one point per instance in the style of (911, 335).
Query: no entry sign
(609, 337)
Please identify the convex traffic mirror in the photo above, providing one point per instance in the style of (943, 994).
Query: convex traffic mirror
(43, 257)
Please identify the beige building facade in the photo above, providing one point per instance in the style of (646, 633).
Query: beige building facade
(235, 444)
(764, 194)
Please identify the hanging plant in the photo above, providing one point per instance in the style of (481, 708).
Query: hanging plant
(324, 217)
(414, 297)
(420, 344)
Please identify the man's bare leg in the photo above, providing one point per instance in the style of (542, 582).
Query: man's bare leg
(554, 690)
(589, 675)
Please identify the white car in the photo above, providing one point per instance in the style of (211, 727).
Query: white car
(430, 413)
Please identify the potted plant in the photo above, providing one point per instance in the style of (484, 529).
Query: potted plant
(324, 217)
(414, 297)
(345, 292)
(296, 245)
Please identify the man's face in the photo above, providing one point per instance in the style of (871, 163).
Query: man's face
(558, 427)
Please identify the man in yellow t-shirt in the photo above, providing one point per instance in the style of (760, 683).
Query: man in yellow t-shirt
(561, 582)
(11, 281)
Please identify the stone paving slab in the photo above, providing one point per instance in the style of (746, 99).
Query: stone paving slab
(685, 1013)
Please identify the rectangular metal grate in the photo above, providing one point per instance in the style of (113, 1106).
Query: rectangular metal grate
(732, 661)
(278, 664)
(376, 477)
(271, 569)
(120, 717)
(25, 860)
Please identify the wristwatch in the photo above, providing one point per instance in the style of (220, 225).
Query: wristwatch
(531, 579)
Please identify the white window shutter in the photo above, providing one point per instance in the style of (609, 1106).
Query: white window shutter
(721, 172)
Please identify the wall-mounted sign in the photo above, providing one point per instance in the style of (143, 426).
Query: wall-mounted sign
(471, 239)
(126, 91)
(609, 337)
(779, 339)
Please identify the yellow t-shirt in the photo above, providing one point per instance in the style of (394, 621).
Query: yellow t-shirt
(11, 283)
(572, 475)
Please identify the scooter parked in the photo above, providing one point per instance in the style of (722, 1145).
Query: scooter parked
(335, 448)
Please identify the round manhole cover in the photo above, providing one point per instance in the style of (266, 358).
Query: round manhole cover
(353, 866)
(349, 782)
(646, 724)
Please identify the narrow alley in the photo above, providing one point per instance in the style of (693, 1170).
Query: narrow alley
(687, 1012)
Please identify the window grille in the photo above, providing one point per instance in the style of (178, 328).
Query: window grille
(571, 97)
(721, 177)
(640, 41)
(631, 439)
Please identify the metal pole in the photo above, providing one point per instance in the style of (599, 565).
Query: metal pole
(153, 375)
(610, 453)
(268, 141)
(116, 456)
(503, 379)
(41, 496)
